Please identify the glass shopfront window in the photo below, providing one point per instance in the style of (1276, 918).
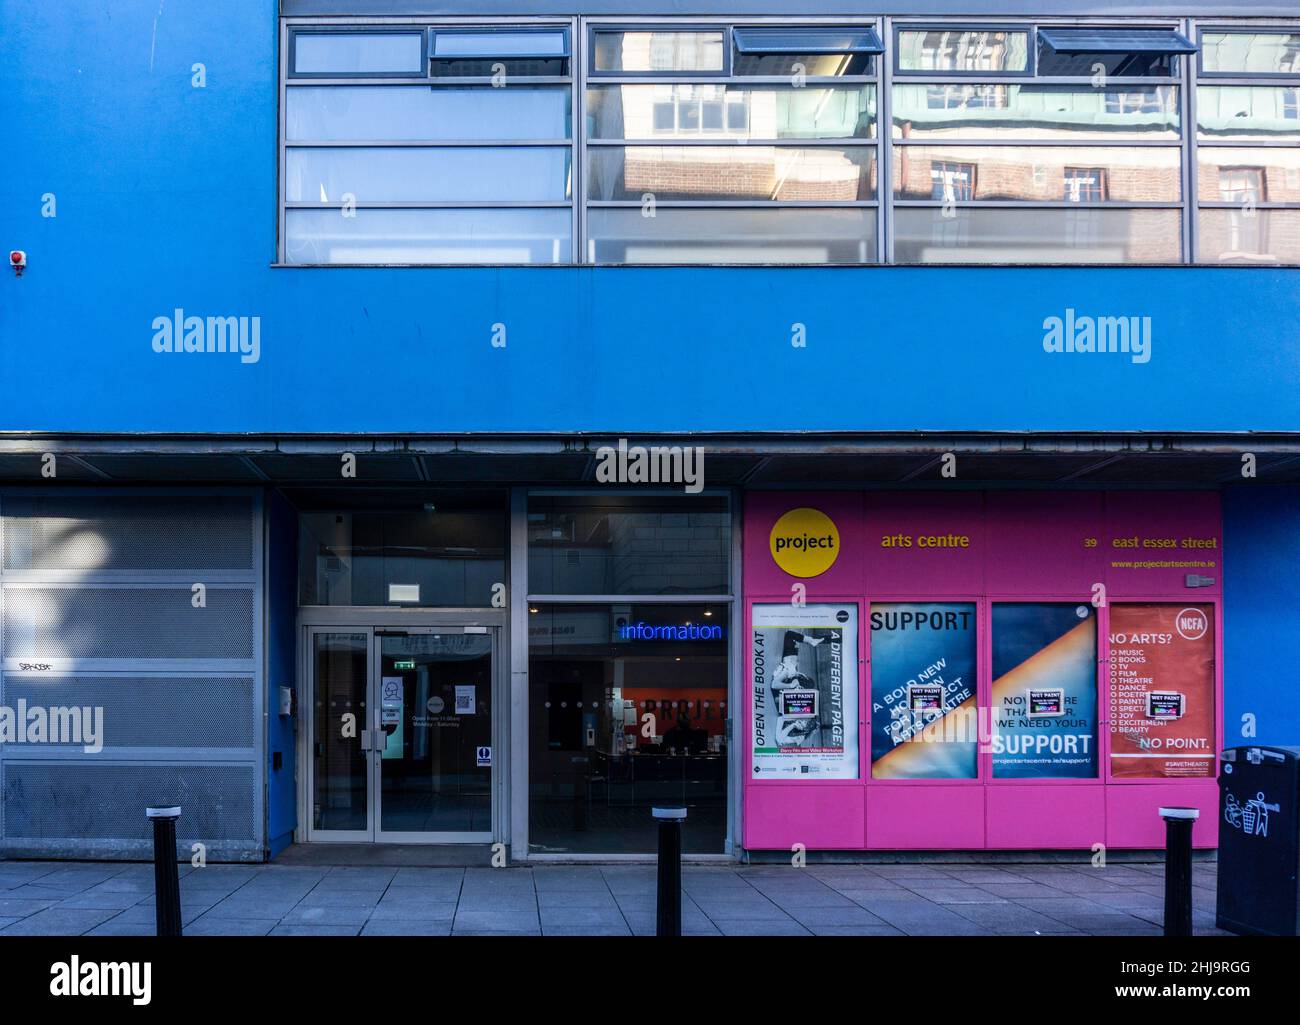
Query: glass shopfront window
(1044, 707)
(627, 709)
(625, 544)
(422, 549)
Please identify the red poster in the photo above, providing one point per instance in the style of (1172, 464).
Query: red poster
(1162, 690)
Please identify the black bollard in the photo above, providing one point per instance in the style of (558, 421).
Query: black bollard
(166, 875)
(1178, 869)
(668, 914)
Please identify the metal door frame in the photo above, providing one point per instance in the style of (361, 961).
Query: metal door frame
(371, 621)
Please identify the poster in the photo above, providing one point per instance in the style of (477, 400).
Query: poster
(465, 704)
(923, 719)
(392, 701)
(1043, 722)
(804, 679)
(1162, 691)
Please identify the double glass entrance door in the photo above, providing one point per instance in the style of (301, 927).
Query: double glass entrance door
(401, 738)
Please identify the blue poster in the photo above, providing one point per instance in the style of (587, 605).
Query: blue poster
(923, 721)
(1044, 715)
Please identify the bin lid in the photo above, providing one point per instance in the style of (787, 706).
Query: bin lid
(1273, 752)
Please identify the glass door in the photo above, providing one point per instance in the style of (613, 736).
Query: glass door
(434, 772)
(401, 737)
(340, 775)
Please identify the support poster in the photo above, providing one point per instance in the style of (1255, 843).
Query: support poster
(1162, 691)
(804, 680)
(1044, 714)
(923, 721)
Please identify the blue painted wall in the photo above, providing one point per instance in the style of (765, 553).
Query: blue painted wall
(166, 198)
(281, 652)
(1261, 602)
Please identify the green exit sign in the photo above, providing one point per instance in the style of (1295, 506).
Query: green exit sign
(404, 665)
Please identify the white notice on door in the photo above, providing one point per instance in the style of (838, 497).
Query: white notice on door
(465, 704)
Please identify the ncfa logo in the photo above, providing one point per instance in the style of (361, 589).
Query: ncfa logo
(179, 333)
(1074, 333)
(1191, 624)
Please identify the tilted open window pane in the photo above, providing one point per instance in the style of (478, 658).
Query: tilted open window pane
(994, 110)
(443, 236)
(1074, 174)
(770, 173)
(812, 52)
(1249, 113)
(653, 51)
(766, 235)
(1117, 53)
(1078, 235)
(963, 50)
(728, 112)
(358, 53)
(1250, 53)
(484, 53)
(400, 113)
(455, 174)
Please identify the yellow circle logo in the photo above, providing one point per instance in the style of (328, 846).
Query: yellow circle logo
(805, 543)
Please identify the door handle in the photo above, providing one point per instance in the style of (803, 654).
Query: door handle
(373, 740)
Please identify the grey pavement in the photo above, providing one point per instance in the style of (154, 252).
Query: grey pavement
(918, 899)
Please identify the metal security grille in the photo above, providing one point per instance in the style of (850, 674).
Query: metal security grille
(53, 801)
(100, 613)
(149, 711)
(96, 622)
(128, 532)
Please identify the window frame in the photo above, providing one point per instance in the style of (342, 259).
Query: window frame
(1243, 30)
(294, 32)
(899, 26)
(595, 26)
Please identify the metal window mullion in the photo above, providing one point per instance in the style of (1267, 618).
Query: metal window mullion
(1042, 143)
(577, 137)
(433, 144)
(281, 218)
(885, 153)
(1191, 190)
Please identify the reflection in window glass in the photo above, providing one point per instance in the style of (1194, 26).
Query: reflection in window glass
(1044, 700)
(1042, 173)
(989, 235)
(1250, 53)
(992, 110)
(657, 51)
(1247, 236)
(1248, 175)
(360, 53)
(595, 672)
(801, 235)
(447, 557)
(760, 112)
(735, 172)
(586, 544)
(813, 52)
(924, 723)
(1075, 59)
(962, 50)
(369, 113)
(1248, 112)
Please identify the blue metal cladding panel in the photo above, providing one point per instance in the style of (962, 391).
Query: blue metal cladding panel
(282, 610)
(1261, 592)
(165, 197)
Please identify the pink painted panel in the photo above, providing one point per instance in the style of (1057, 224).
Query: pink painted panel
(819, 817)
(1046, 817)
(1133, 818)
(1037, 542)
(1185, 528)
(925, 817)
(764, 508)
(924, 543)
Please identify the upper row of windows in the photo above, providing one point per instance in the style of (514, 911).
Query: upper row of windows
(790, 144)
(811, 51)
